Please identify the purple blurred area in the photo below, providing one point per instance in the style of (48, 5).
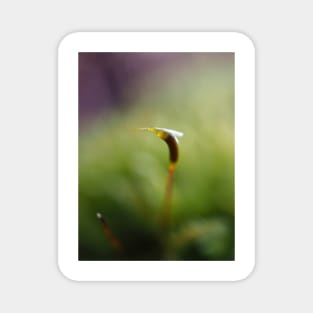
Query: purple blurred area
(105, 79)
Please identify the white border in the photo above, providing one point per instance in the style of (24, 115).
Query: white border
(244, 156)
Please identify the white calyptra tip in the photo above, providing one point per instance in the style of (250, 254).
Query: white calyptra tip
(99, 216)
(156, 130)
(172, 132)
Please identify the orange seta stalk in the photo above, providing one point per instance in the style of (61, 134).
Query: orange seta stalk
(168, 196)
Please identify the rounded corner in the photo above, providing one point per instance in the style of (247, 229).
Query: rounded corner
(246, 39)
(67, 39)
(65, 273)
(247, 273)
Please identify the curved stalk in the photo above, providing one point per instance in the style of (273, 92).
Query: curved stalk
(171, 139)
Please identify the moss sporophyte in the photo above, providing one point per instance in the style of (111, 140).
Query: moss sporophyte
(108, 233)
(171, 138)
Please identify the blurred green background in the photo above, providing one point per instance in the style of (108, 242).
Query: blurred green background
(122, 173)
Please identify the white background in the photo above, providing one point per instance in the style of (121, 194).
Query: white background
(30, 280)
(68, 179)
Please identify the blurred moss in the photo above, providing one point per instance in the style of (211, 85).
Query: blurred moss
(122, 173)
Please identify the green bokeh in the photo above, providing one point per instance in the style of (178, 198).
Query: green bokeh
(122, 173)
